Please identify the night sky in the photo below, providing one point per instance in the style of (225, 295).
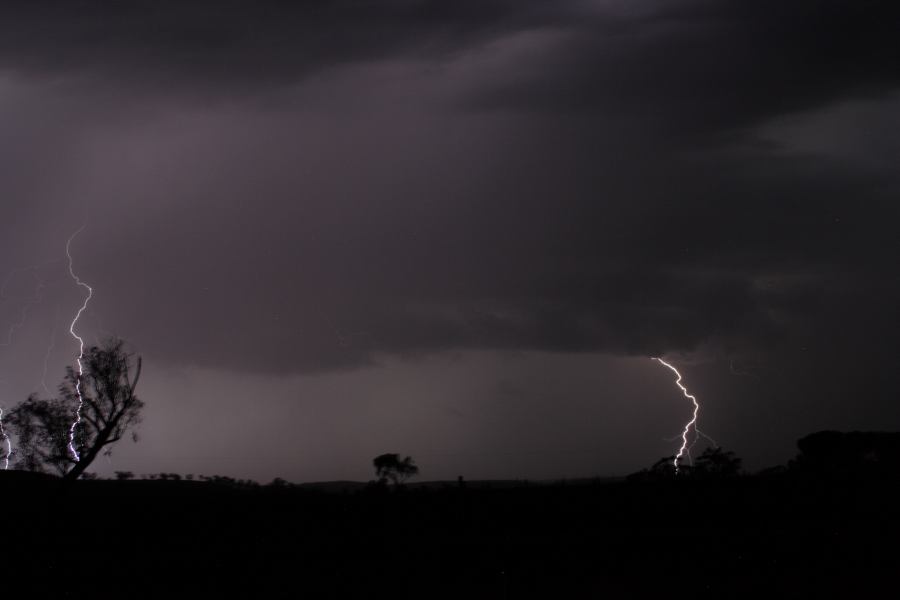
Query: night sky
(457, 230)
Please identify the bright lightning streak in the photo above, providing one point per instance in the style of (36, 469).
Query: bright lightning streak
(692, 424)
(90, 294)
(7, 441)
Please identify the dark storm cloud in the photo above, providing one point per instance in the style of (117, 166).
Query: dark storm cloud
(222, 44)
(708, 66)
(695, 65)
(615, 196)
(746, 250)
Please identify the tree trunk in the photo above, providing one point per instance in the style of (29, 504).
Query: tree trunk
(88, 457)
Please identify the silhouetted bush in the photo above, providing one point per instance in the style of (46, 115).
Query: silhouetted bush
(716, 463)
(661, 470)
(392, 467)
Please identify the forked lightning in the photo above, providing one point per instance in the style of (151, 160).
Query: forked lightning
(90, 293)
(692, 424)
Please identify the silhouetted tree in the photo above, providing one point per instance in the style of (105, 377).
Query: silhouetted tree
(664, 469)
(713, 463)
(41, 428)
(717, 463)
(391, 467)
(110, 410)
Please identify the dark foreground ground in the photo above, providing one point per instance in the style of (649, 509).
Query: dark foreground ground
(748, 538)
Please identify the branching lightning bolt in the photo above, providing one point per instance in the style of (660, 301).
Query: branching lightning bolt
(90, 294)
(686, 446)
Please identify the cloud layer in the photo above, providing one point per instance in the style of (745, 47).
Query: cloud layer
(327, 181)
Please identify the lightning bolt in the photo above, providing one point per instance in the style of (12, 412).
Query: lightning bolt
(80, 340)
(686, 446)
(7, 441)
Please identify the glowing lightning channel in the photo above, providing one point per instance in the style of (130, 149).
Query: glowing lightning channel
(692, 424)
(90, 294)
(7, 441)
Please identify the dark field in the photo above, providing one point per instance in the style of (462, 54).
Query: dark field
(768, 537)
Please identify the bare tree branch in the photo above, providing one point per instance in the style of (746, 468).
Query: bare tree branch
(109, 409)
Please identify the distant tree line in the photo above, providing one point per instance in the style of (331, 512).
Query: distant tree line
(111, 410)
(714, 463)
(824, 454)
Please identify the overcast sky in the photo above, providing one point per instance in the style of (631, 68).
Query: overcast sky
(457, 230)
